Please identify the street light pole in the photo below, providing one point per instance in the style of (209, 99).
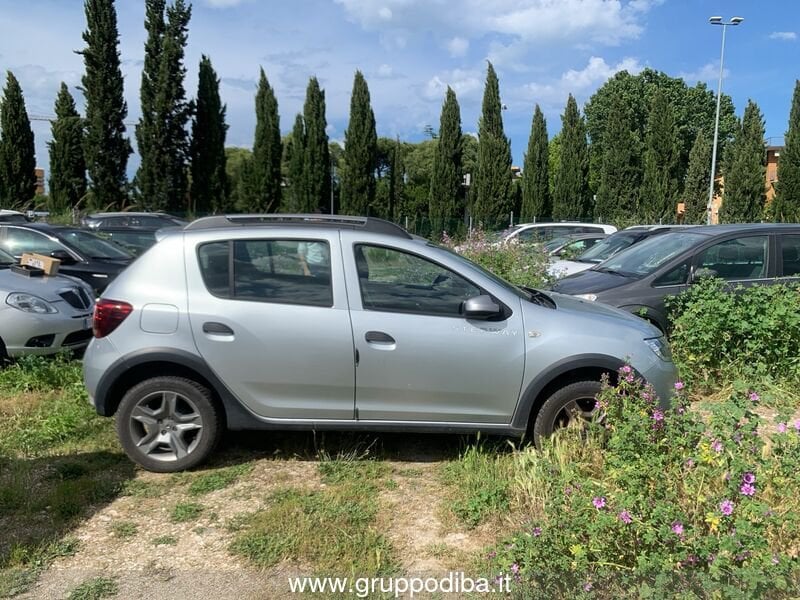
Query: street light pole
(717, 21)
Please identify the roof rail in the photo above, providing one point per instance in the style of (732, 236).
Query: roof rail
(369, 224)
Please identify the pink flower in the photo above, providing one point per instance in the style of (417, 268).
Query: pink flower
(679, 385)
(599, 502)
(625, 517)
(515, 568)
(748, 478)
(626, 369)
(797, 425)
(754, 397)
(677, 528)
(716, 446)
(780, 428)
(747, 489)
(537, 531)
(726, 507)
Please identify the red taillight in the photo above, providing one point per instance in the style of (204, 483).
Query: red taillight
(108, 314)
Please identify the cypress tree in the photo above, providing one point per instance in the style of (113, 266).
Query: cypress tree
(659, 194)
(395, 180)
(209, 190)
(67, 165)
(536, 202)
(493, 199)
(295, 197)
(265, 169)
(106, 148)
(786, 205)
(695, 189)
(445, 195)
(360, 152)
(571, 199)
(745, 188)
(317, 167)
(619, 171)
(17, 154)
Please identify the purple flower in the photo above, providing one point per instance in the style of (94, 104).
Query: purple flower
(491, 554)
(689, 463)
(726, 507)
(625, 517)
(716, 446)
(679, 385)
(537, 531)
(599, 502)
(780, 428)
(775, 559)
(677, 528)
(658, 415)
(567, 491)
(626, 369)
(515, 568)
(747, 489)
(754, 397)
(587, 587)
(748, 478)
(797, 425)
(629, 378)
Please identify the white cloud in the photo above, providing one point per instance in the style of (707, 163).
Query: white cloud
(706, 73)
(385, 71)
(464, 83)
(786, 36)
(457, 46)
(578, 82)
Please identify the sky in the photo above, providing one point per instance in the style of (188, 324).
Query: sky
(411, 50)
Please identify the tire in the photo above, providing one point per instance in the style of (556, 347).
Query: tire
(168, 424)
(553, 413)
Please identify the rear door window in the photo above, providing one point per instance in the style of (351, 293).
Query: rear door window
(790, 255)
(738, 259)
(18, 241)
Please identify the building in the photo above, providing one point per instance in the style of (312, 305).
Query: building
(773, 154)
(39, 181)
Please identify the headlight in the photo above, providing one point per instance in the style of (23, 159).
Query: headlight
(660, 346)
(589, 297)
(30, 303)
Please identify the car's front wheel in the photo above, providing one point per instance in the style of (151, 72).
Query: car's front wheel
(573, 401)
(168, 424)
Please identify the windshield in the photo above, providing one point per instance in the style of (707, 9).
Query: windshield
(6, 259)
(556, 243)
(607, 248)
(93, 246)
(646, 257)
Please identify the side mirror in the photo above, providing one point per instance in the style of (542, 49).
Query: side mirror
(703, 273)
(481, 307)
(64, 256)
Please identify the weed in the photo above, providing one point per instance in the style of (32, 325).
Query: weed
(124, 529)
(218, 479)
(186, 511)
(339, 471)
(165, 540)
(95, 589)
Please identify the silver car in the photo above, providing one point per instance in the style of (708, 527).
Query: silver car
(42, 315)
(311, 323)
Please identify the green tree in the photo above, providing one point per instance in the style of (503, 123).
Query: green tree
(209, 188)
(492, 183)
(317, 165)
(536, 203)
(786, 205)
(744, 167)
(266, 165)
(659, 193)
(162, 134)
(17, 154)
(695, 189)
(553, 163)
(295, 197)
(621, 172)
(571, 198)
(360, 152)
(445, 197)
(67, 165)
(238, 166)
(396, 172)
(106, 149)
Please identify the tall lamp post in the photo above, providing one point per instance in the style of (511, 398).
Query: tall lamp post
(717, 21)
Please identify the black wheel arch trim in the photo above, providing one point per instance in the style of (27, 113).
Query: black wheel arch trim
(529, 397)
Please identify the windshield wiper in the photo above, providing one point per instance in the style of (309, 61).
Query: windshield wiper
(612, 271)
(539, 297)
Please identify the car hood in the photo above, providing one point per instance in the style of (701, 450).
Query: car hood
(597, 310)
(46, 288)
(562, 268)
(589, 282)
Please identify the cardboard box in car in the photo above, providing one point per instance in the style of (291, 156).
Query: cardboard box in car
(47, 264)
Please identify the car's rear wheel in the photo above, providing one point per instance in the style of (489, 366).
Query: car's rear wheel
(168, 424)
(573, 401)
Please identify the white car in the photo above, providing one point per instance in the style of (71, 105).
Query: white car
(543, 232)
(42, 315)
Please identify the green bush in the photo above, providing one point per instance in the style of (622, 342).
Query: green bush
(655, 503)
(718, 335)
(517, 262)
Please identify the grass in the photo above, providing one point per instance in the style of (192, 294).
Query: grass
(218, 479)
(23, 564)
(165, 540)
(95, 589)
(124, 529)
(341, 471)
(186, 511)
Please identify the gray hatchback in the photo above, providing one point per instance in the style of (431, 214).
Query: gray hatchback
(309, 322)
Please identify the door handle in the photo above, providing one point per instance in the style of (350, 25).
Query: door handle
(378, 337)
(215, 328)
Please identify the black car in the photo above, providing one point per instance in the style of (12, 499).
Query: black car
(640, 277)
(138, 220)
(134, 239)
(82, 253)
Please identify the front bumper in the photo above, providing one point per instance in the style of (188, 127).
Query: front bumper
(28, 333)
(662, 375)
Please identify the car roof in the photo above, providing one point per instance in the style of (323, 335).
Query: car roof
(46, 227)
(745, 227)
(368, 224)
(551, 223)
(103, 215)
